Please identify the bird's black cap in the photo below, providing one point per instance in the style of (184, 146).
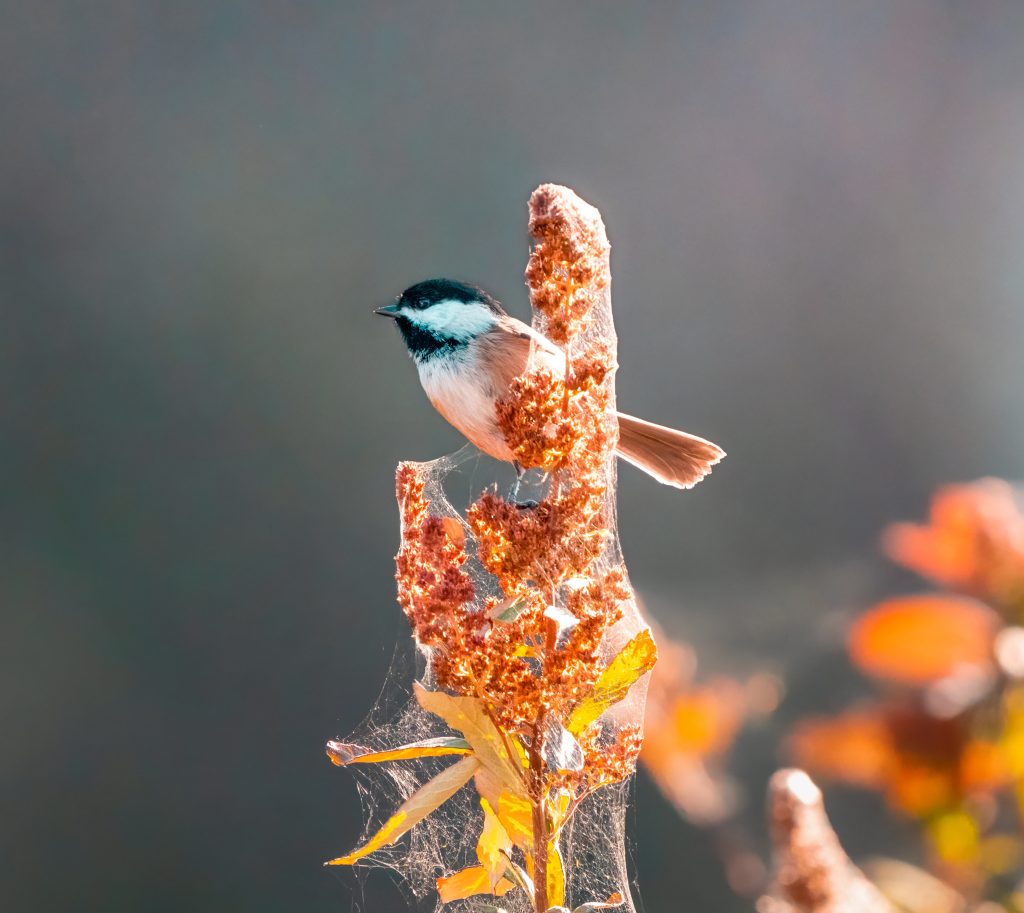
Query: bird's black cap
(429, 292)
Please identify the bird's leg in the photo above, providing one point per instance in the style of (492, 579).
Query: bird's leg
(514, 492)
(520, 472)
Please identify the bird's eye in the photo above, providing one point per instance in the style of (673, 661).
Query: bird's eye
(422, 304)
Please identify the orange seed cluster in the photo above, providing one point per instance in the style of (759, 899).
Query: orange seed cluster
(568, 268)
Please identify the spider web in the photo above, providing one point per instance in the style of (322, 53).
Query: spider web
(593, 844)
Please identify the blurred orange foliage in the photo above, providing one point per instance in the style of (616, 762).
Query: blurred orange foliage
(922, 763)
(921, 639)
(973, 542)
(689, 730)
(945, 742)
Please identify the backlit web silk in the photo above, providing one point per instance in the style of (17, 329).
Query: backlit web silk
(528, 615)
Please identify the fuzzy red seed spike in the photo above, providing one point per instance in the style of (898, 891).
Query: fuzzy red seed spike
(535, 653)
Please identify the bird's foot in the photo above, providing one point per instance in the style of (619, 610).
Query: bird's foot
(513, 495)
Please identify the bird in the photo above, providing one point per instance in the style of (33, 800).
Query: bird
(468, 350)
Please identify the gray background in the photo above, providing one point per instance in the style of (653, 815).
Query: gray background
(816, 211)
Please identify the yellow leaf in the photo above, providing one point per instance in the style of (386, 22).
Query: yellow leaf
(520, 751)
(519, 876)
(631, 662)
(430, 796)
(558, 805)
(343, 753)
(516, 816)
(470, 881)
(467, 715)
(488, 786)
(556, 876)
(494, 844)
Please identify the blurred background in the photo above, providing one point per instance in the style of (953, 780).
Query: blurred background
(816, 214)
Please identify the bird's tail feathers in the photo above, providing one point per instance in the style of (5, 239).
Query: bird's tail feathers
(672, 457)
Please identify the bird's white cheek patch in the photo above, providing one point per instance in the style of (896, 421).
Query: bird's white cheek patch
(454, 318)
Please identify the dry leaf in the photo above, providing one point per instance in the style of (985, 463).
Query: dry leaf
(468, 882)
(629, 664)
(428, 798)
(344, 753)
(494, 845)
(467, 715)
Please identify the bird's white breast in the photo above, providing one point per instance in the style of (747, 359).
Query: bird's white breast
(460, 388)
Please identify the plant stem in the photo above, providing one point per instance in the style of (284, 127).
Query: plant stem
(538, 784)
(540, 823)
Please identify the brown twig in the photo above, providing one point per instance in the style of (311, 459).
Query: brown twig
(539, 821)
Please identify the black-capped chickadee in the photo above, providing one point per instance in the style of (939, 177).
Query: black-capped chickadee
(468, 350)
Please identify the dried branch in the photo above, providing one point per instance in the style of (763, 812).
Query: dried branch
(813, 874)
(541, 684)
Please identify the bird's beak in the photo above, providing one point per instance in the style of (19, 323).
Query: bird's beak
(388, 310)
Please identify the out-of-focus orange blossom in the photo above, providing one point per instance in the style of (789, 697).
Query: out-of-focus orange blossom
(705, 721)
(921, 763)
(689, 730)
(853, 747)
(945, 747)
(973, 542)
(921, 639)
